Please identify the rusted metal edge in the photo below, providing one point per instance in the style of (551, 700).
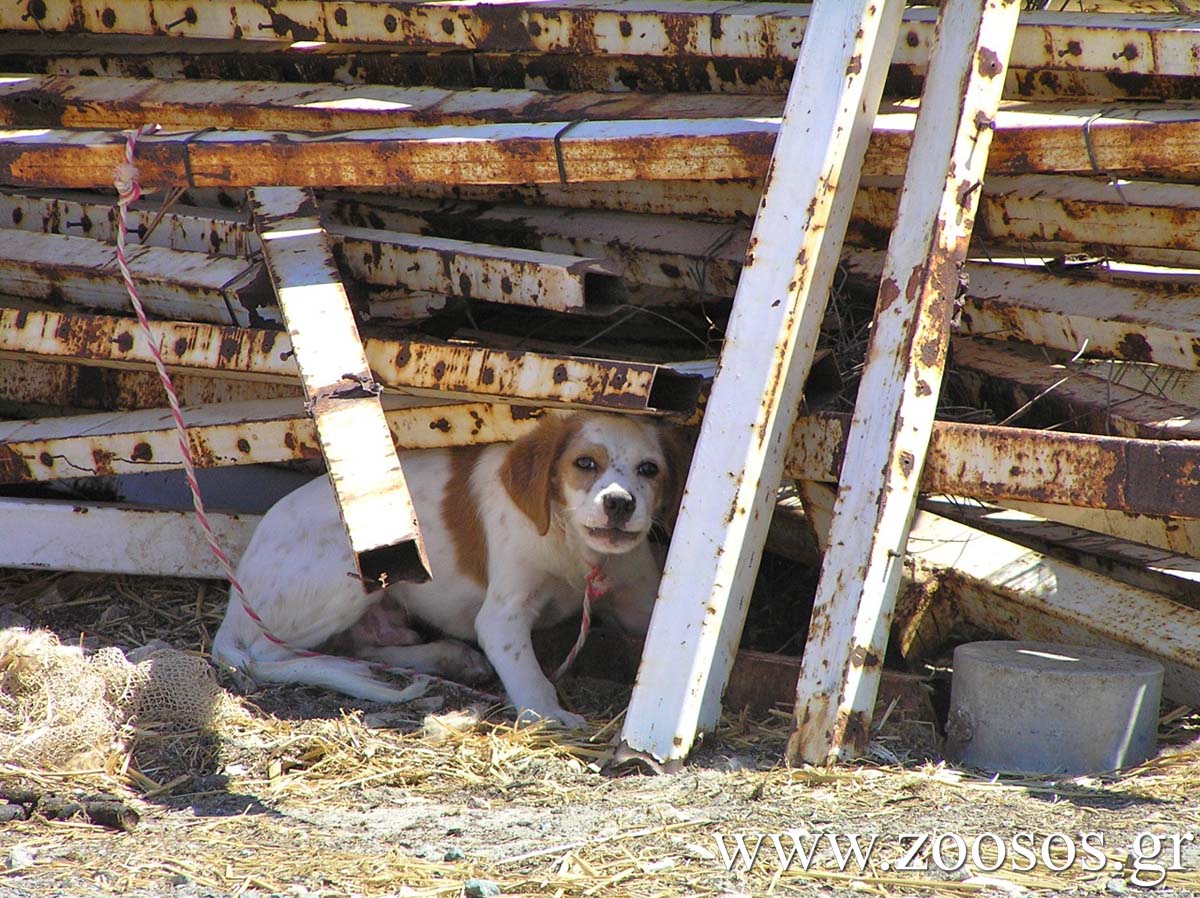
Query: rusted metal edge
(418, 263)
(1018, 382)
(541, 280)
(1031, 138)
(105, 538)
(41, 387)
(53, 268)
(706, 28)
(104, 102)
(227, 435)
(410, 366)
(1152, 477)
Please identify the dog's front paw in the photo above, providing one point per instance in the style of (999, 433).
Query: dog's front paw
(553, 717)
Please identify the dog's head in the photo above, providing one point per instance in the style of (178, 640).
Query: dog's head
(605, 479)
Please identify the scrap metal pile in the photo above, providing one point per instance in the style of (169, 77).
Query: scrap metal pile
(549, 204)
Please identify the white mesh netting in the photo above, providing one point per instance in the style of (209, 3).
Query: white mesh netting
(60, 708)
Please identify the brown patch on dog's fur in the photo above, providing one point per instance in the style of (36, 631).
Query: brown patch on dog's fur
(462, 517)
(529, 468)
(678, 452)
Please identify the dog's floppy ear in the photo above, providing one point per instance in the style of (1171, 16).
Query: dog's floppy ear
(528, 469)
(677, 447)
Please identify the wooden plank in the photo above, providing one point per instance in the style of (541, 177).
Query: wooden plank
(1150, 477)
(901, 381)
(1029, 138)
(112, 539)
(1056, 40)
(174, 284)
(780, 301)
(341, 393)
(419, 367)
(1019, 384)
(227, 435)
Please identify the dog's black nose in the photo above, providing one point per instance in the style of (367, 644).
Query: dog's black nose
(619, 506)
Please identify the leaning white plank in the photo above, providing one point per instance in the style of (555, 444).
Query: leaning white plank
(1171, 534)
(901, 381)
(113, 539)
(343, 397)
(768, 350)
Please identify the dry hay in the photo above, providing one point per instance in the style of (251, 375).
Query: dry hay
(288, 796)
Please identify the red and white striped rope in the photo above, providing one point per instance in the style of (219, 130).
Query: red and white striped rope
(125, 179)
(595, 588)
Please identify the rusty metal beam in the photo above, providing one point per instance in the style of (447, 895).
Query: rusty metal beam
(901, 381)
(557, 280)
(650, 249)
(1130, 44)
(956, 573)
(47, 385)
(1007, 589)
(341, 394)
(1173, 536)
(173, 284)
(420, 367)
(1115, 310)
(1029, 138)
(101, 538)
(780, 300)
(1122, 318)
(1150, 477)
(1141, 565)
(99, 103)
(1018, 382)
(227, 435)
(542, 280)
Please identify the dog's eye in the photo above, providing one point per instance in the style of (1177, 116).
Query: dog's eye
(585, 463)
(648, 469)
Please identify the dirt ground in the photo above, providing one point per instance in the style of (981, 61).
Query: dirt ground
(297, 792)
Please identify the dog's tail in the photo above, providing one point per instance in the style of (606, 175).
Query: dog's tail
(266, 662)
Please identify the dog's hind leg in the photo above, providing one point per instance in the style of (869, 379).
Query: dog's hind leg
(447, 658)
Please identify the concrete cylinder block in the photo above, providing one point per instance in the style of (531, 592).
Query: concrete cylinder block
(1037, 707)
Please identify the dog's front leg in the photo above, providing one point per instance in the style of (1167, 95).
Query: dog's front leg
(502, 628)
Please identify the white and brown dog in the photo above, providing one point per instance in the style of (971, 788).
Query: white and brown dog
(512, 531)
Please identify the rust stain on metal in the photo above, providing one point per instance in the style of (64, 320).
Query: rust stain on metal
(13, 466)
(988, 63)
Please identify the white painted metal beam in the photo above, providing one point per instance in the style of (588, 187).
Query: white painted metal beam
(901, 382)
(419, 367)
(1054, 40)
(768, 349)
(172, 284)
(341, 392)
(113, 539)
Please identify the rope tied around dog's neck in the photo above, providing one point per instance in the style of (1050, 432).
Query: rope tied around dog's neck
(595, 588)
